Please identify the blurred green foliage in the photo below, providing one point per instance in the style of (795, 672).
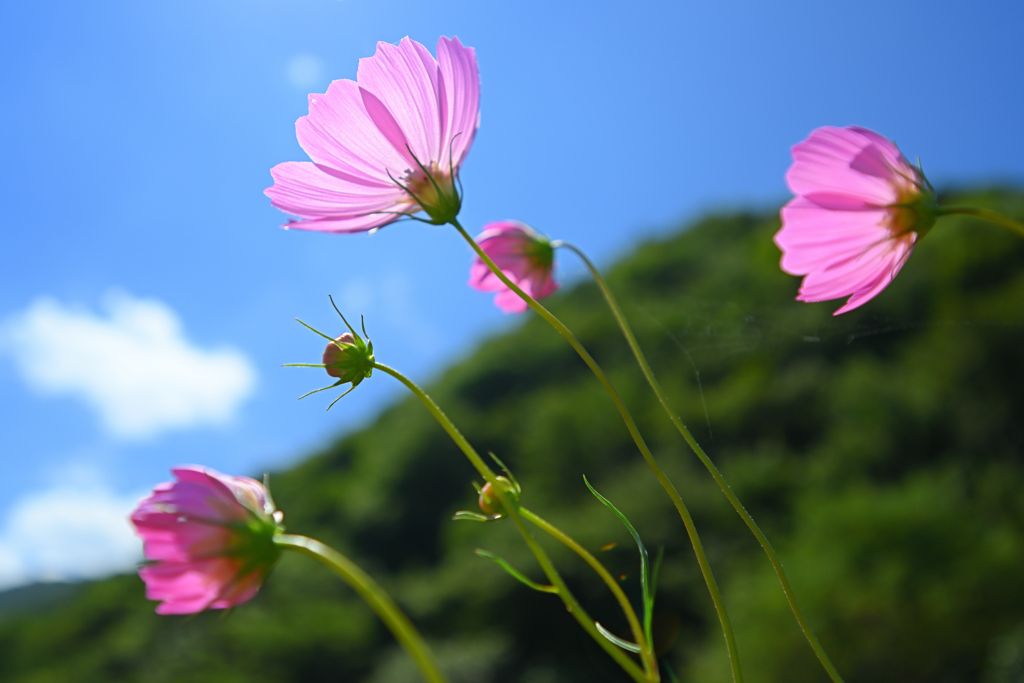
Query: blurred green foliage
(881, 451)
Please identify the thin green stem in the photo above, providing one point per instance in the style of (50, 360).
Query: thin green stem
(511, 507)
(984, 214)
(646, 647)
(719, 479)
(379, 601)
(670, 489)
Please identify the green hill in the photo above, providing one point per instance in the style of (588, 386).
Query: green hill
(881, 451)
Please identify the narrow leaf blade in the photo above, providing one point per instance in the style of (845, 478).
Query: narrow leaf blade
(624, 644)
(644, 569)
(515, 573)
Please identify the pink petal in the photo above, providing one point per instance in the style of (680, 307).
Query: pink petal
(183, 498)
(504, 242)
(339, 133)
(824, 163)
(187, 588)
(506, 252)
(304, 189)
(542, 287)
(341, 225)
(204, 477)
(482, 279)
(857, 275)
(249, 493)
(242, 589)
(189, 541)
(461, 86)
(893, 156)
(510, 302)
(222, 489)
(537, 285)
(867, 294)
(813, 238)
(404, 78)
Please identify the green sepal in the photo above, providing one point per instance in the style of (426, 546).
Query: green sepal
(517, 490)
(331, 386)
(442, 204)
(467, 516)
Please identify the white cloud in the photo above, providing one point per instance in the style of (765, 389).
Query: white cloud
(305, 71)
(67, 533)
(133, 366)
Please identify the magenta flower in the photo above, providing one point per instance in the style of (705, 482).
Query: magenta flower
(208, 539)
(387, 145)
(523, 256)
(859, 210)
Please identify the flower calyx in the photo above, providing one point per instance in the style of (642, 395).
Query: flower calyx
(917, 208)
(253, 539)
(436, 191)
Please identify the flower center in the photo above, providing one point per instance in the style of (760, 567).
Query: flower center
(435, 192)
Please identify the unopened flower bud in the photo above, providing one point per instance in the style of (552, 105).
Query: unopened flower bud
(489, 501)
(348, 358)
(334, 354)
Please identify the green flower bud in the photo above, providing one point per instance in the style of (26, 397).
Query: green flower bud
(489, 502)
(348, 358)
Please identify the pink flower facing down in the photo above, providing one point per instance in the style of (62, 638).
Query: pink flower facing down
(860, 208)
(208, 539)
(386, 145)
(525, 258)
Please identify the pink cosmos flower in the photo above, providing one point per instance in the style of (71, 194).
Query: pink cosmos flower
(523, 256)
(209, 540)
(859, 210)
(387, 145)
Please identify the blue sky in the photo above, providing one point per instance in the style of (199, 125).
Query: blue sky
(148, 295)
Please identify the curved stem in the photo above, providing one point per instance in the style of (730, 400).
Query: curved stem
(646, 648)
(670, 489)
(719, 479)
(984, 214)
(379, 601)
(574, 608)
